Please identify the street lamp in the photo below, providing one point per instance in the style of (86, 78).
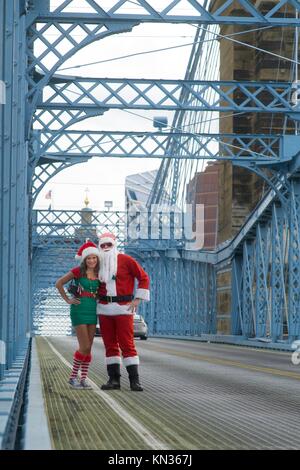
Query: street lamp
(160, 122)
(108, 205)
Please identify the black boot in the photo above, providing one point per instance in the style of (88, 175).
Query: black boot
(113, 383)
(134, 378)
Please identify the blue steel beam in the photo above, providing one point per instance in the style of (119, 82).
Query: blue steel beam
(248, 309)
(259, 148)
(14, 223)
(262, 301)
(279, 302)
(225, 252)
(44, 172)
(249, 151)
(294, 262)
(119, 93)
(55, 151)
(51, 43)
(51, 227)
(52, 120)
(15, 302)
(260, 280)
(70, 228)
(245, 12)
(46, 55)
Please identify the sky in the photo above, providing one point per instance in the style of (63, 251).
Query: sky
(103, 179)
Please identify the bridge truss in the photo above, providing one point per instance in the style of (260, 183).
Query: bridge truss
(41, 105)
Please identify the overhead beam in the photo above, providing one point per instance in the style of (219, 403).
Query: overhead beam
(202, 95)
(178, 11)
(184, 145)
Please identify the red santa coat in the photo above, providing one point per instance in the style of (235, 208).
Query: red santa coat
(128, 269)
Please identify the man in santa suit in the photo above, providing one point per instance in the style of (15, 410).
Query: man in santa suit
(116, 308)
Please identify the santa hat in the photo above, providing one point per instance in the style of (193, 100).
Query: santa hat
(107, 238)
(87, 249)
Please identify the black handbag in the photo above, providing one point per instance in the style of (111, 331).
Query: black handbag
(73, 288)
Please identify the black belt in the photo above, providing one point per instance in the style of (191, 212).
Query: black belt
(118, 298)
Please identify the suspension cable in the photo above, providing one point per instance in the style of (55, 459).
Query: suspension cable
(161, 49)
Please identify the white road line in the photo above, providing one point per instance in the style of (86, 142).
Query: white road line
(137, 427)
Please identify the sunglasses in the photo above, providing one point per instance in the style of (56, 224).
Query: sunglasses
(108, 245)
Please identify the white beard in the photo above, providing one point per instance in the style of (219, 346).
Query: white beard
(108, 264)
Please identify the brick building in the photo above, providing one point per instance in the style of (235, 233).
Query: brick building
(203, 189)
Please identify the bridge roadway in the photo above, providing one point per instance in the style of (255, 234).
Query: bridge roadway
(196, 396)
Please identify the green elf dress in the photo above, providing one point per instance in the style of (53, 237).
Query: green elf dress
(85, 312)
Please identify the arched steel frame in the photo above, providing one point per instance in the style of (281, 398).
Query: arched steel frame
(264, 255)
(268, 156)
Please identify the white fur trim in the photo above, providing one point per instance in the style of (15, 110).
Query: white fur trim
(106, 240)
(143, 294)
(113, 309)
(130, 361)
(113, 360)
(90, 251)
(78, 258)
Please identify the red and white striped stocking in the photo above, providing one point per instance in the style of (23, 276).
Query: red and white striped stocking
(85, 366)
(77, 360)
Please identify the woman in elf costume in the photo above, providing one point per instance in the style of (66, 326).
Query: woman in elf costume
(83, 308)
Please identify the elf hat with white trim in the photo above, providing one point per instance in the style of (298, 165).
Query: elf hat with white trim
(87, 249)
